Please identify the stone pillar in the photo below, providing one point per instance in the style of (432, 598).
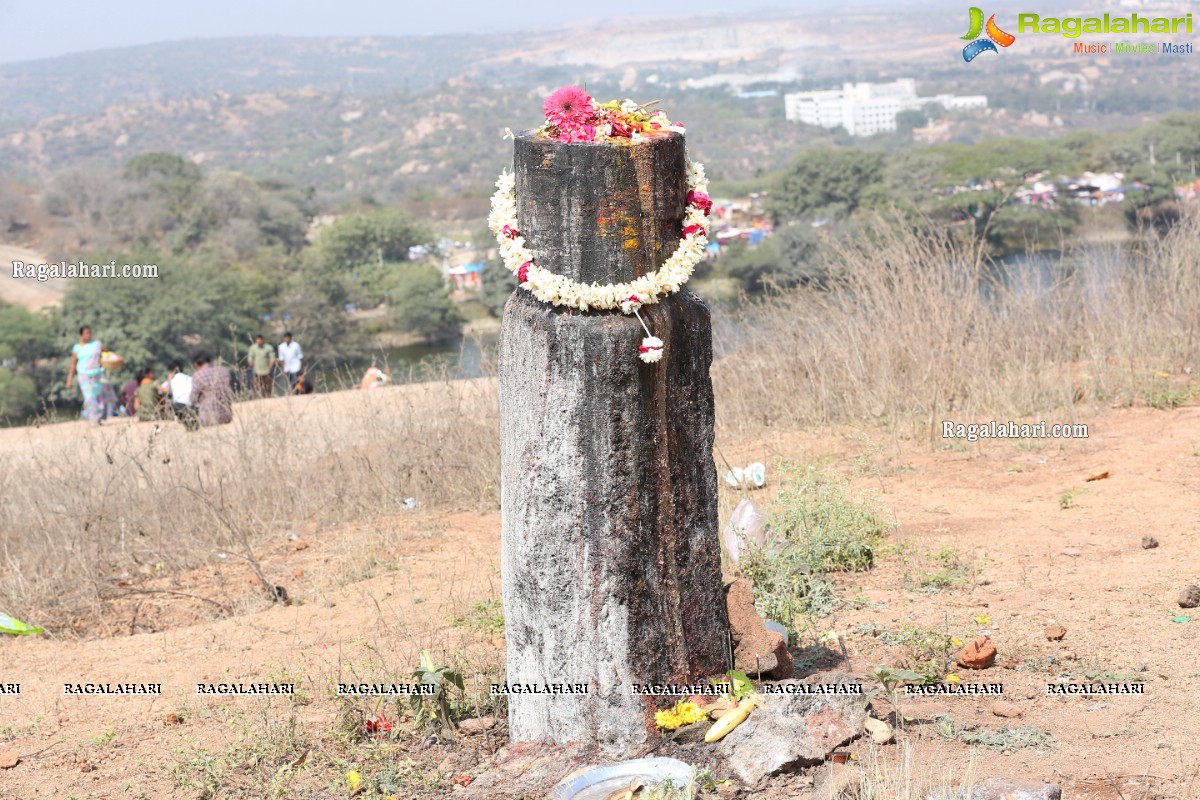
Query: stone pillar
(610, 559)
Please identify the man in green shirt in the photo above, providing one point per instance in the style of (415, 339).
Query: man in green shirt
(261, 359)
(146, 399)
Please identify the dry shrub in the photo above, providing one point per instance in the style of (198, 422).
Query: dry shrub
(83, 509)
(917, 328)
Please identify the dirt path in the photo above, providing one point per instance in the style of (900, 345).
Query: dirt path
(31, 294)
(375, 593)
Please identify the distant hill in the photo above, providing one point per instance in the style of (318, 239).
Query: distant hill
(422, 117)
(157, 73)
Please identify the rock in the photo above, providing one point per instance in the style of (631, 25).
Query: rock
(881, 732)
(1003, 708)
(756, 650)
(173, 718)
(1074, 552)
(978, 653)
(477, 725)
(1055, 633)
(1096, 476)
(299, 545)
(9, 759)
(837, 782)
(1001, 789)
(1189, 596)
(792, 730)
(747, 526)
(1149, 543)
(527, 769)
(720, 708)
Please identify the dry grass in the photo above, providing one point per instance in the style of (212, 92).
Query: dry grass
(920, 329)
(133, 501)
(912, 333)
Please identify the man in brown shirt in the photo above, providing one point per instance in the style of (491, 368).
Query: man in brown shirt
(212, 392)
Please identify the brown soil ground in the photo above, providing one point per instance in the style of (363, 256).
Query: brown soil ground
(373, 593)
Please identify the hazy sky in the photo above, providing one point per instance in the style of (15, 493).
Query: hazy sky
(42, 28)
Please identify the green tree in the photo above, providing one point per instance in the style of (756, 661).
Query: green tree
(789, 258)
(498, 286)
(974, 185)
(18, 396)
(24, 335)
(312, 306)
(824, 180)
(421, 304)
(190, 306)
(377, 237)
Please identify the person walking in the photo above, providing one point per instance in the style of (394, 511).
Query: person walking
(85, 364)
(291, 357)
(212, 391)
(261, 358)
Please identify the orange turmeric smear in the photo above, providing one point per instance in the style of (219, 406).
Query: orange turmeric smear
(631, 238)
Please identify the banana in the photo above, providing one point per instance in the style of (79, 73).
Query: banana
(730, 721)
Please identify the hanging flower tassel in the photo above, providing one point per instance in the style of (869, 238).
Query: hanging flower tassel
(652, 347)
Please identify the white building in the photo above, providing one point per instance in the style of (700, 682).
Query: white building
(865, 109)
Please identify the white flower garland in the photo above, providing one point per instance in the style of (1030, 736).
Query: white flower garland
(559, 290)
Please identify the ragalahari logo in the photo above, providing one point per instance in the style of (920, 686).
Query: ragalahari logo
(995, 36)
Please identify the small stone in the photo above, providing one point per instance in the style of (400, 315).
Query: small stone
(1004, 789)
(9, 759)
(1055, 633)
(299, 545)
(837, 782)
(881, 732)
(1003, 708)
(1074, 552)
(1189, 596)
(173, 718)
(1149, 543)
(477, 725)
(978, 653)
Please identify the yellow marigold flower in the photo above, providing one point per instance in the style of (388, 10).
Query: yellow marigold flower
(957, 642)
(353, 780)
(952, 678)
(983, 619)
(682, 713)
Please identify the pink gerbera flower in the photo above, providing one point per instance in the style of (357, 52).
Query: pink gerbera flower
(570, 104)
